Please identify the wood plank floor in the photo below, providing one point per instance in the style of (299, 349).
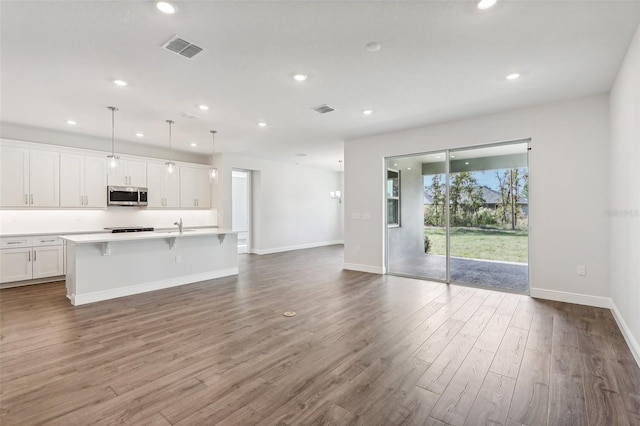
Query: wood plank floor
(363, 349)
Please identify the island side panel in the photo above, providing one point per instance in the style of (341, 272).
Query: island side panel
(137, 266)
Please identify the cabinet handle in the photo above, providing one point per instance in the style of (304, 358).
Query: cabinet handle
(29, 254)
(81, 200)
(47, 241)
(86, 200)
(26, 199)
(35, 255)
(14, 242)
(31, 199)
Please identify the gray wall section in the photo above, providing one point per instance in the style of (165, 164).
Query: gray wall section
(407, 241)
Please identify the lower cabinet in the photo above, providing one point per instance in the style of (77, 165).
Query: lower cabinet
(39, 257)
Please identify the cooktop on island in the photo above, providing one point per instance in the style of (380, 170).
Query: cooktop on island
(117, 230)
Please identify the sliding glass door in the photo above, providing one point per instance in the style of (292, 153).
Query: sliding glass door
(460, 216)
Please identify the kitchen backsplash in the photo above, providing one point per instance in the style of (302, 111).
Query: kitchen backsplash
(61, 221)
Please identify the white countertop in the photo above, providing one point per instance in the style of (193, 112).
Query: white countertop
(134, 236)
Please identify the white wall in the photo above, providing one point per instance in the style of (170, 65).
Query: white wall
(569, 182)
(78, 220)
(76, 140)
(625, 196)
(291, 204)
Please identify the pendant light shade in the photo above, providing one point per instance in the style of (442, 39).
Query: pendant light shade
(171, 166)
(113, 158)
(213, 172)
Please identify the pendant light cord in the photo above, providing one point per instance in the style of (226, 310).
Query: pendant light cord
(170, 147)
(113, 131)
(213, 144)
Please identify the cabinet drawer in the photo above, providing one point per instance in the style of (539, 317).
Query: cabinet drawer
(46, 241)
(17, 242)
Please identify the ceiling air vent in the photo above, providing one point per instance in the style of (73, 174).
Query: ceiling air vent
(182, 47)
(323, 109)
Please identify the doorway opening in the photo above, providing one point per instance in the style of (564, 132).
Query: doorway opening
(461, 216)
(241, 207)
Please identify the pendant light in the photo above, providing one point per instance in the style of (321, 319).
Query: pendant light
(170, 164)
(213, 172)
(113, 158)
(338, 194)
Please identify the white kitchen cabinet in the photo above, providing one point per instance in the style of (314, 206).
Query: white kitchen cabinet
(195, 189)
(25, 258)
(48, 261)
(30, 178)
(15, 264)
(14, 176)
(44, 178)
(83, 181)
(128, 173)
(164, 189)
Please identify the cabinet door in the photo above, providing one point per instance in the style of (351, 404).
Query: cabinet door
(71, 180)
(44, 178)
(155, 174)
(95, 181)
(172, 189)
(187, 187)
(15, 264)
(137, 172)
(48, 261)
(203, 188)
(117, 176)
(14, 177)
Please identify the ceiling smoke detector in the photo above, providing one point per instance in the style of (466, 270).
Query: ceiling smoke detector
(323, 109)
(182, 47)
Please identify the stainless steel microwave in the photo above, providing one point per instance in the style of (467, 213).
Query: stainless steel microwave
(126, 196)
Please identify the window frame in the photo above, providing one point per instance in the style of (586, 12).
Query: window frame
(397, 199)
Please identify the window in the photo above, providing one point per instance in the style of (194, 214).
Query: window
(393, 198)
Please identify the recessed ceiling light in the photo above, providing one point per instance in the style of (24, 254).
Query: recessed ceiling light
(120, 83)
(300, 77)
(466, 163)
(367, 112)
(372, 47)
(395, 164)
(140, 134)
(203, 107)
(513, 76)
(486, 4)
(262, 124)
(453, 156)
(166, 7)
(408, 168)
(437, 156)
(71, 122)
(193, 144)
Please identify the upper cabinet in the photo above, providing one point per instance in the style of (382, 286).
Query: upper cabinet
(83, 181)
(77, 178)
(30, 178)
(128, 173)
(164, 188)
(195, 189)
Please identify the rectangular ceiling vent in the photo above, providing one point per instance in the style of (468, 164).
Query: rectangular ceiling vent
(188, 116)
(182, 47)
(323, 109)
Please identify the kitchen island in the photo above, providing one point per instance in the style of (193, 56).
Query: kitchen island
(106, 266)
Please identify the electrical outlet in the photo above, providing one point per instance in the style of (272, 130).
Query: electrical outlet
(581, 270)
(178, 259)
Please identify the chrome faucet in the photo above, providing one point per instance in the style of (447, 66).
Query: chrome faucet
(179, 225)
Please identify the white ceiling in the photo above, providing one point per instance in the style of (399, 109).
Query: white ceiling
(439, 61)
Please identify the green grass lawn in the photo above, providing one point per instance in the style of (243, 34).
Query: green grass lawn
(477, 243)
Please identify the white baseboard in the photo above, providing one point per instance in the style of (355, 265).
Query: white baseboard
(563, 296)
(296, 247)
(599, 302)
(97, 296)
(364, 268)
(626, 332)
